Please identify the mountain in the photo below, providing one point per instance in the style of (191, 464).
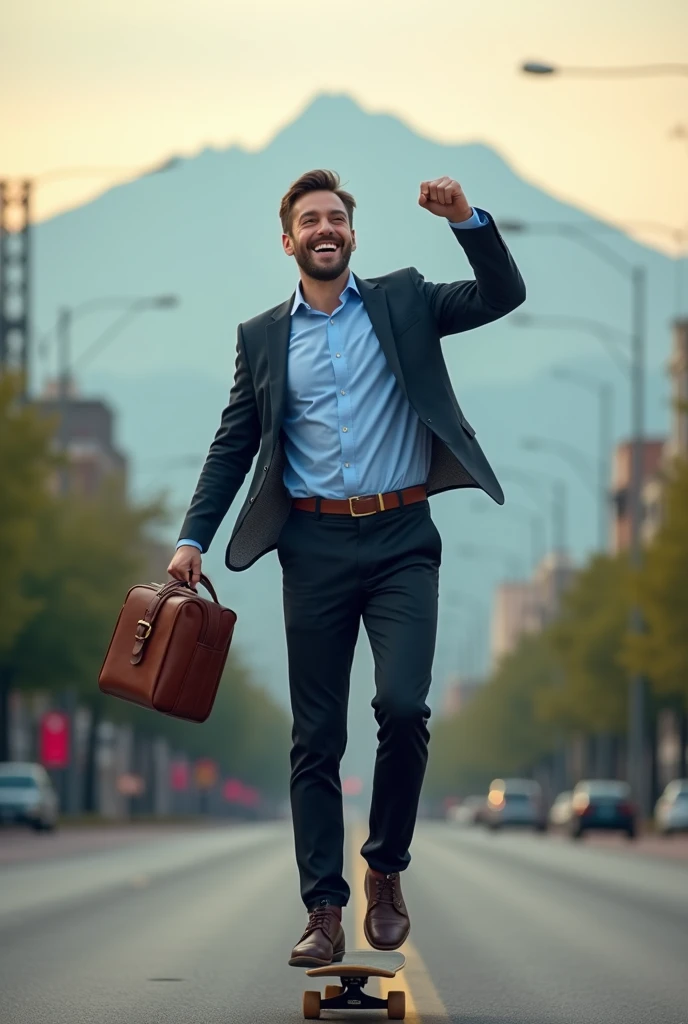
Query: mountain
(208, 231)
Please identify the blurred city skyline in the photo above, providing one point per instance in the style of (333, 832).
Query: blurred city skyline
(127, 85)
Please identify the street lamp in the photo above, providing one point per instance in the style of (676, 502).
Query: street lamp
(63, 325)
(558, 495)
(534, 67)
(608, 336)
(535, 520)
(575, 458)
(637, 276)
(475, 633)
(16, 293)
(604, 393)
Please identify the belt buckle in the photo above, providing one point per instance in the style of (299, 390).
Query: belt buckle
(362, 515)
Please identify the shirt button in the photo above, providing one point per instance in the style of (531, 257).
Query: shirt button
(338, 355)
(342, 392)
(345, 429)
(346, 465)
(331, 321)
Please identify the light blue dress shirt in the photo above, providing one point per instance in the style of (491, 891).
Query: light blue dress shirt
(348, 428)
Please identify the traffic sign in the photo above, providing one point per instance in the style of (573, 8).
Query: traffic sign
(54, 739)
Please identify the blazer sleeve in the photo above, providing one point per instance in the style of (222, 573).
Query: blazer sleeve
(497, 289)
(229, 458)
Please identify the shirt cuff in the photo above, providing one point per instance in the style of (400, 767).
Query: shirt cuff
(478, 220)
(193, 543)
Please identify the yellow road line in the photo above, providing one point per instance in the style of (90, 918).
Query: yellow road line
(415, 973)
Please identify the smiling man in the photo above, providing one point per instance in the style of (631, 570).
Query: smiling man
(344, 393)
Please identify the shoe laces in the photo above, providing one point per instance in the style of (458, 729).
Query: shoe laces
(386, 890)
(321, 918)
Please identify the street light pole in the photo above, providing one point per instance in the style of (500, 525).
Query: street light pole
(63, 328)
(604, 393)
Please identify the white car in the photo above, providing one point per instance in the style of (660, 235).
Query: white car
(27, 796)
(671, 810)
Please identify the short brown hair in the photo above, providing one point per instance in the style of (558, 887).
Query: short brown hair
(314, 181)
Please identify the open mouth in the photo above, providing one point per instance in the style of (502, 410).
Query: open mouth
(324, 248)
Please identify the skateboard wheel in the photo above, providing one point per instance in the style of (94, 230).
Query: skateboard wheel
(396, 1005)
(331, 991)
(311, 1005)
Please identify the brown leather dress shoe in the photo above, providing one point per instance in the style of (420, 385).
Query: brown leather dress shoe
(323, 940)
(387, 923)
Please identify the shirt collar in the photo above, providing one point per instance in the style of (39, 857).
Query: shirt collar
(300, 301)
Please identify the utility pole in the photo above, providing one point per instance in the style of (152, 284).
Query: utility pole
(15, 279)
(637, 704)
(64, 328)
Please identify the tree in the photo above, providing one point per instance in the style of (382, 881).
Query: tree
(661, 653)
(500, 731)
(588, 638)
(25, 462)
(86, 554)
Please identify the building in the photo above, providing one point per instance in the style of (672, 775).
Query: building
(653, 449)
(85, 427)
(527, 606)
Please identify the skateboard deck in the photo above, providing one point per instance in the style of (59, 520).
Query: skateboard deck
(353, 971)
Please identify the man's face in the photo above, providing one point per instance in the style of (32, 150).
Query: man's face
(321, 240)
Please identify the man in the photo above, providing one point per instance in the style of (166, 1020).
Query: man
(343, 392)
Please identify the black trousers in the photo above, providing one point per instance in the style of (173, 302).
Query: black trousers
(337, 571)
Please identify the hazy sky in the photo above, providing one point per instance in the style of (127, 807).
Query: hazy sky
(124, 83)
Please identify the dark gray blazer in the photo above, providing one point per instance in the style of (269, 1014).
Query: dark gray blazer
(409, 316)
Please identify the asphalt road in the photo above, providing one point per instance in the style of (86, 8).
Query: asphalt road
(196, 926)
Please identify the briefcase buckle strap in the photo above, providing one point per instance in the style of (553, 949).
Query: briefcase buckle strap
(148, 626)
(361, 515)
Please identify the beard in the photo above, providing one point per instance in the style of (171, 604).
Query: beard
(308, 262)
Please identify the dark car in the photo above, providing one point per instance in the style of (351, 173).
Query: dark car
(602, 804)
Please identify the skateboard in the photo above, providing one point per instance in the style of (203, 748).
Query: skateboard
(353, 971)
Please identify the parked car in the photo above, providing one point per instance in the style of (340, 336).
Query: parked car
(27, 796)
(602, 804)
(561, 810)
(515, 802)
(671, 810)
(468, 812)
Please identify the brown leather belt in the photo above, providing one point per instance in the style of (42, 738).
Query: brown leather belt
(367, 505)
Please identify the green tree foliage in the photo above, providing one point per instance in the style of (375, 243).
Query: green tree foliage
(68, 564)
(86, 554)
(500, 731)
(588, 639)
(662, 652)
(25, 461)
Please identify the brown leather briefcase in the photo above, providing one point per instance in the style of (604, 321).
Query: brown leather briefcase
(168, 649)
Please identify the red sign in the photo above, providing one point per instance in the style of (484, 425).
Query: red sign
(179, 776)
(54, 739)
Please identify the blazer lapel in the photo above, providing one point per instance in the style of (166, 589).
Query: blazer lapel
(375, 302)
(277, 338)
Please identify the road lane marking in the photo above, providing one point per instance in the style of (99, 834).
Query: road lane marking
(415, 978)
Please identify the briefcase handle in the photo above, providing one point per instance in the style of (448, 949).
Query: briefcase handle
(144, 626)
(208, 586)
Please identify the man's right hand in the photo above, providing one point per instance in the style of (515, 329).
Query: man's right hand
(186, 565)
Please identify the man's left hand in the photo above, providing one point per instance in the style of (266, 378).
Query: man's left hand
(444, 197)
